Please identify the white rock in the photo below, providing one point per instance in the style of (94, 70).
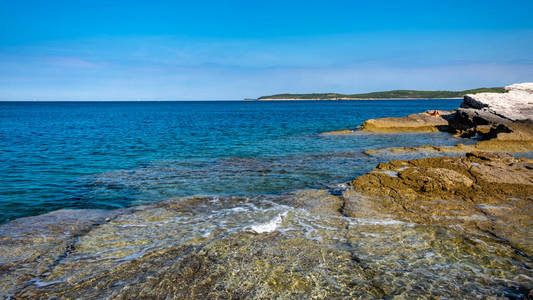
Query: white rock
(524, 87)
(515, 104)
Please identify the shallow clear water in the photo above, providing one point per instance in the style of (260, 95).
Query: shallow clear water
(119, 154)
(254, 248)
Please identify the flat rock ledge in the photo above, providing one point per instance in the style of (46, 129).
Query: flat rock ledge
(480, 192)
(517, 137)
(422, 122)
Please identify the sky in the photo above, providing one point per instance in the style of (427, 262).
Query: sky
(230, 50)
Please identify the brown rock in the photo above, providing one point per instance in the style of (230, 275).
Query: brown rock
(513, 137)
(422, 122)
(491, 193)
(345, 131)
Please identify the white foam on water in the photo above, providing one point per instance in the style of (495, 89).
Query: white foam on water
(269, 226)
(238, 209)
(492, 207)
(134, 225)
(384, 222)
(367, 234)
(39, 283)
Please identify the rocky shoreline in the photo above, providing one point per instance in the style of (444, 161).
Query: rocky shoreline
(389, 234)
(450, 227)
(491, 193)
(501, 121)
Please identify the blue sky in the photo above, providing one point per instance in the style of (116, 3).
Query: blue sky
(199, 50)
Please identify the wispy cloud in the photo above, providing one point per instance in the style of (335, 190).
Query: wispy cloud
(174, 68)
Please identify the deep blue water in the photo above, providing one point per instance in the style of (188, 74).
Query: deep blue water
(116, 154)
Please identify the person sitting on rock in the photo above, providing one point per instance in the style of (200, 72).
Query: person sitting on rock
(434, 113)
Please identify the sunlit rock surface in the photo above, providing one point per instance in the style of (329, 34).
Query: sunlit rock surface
(491, 193)
(514, 105)
(488, 114)
(422, 122)
(289, 246)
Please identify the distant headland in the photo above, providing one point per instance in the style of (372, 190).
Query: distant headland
(387, 95)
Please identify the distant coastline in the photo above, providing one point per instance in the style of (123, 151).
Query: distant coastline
(351, 99)
(386, 95)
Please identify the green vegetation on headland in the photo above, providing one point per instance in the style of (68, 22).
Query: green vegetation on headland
(405, 94)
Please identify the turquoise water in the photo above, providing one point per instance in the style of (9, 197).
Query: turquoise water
(108, 155)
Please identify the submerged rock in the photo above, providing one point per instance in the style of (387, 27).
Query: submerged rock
(318, 202)
(30, 246)
(336, 132)
(203, 247)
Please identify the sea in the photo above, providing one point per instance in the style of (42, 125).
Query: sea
(109, 155)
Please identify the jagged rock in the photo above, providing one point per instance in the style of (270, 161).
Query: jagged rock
(466, 118)
(487, 114)
(481, 191)
(515, 104)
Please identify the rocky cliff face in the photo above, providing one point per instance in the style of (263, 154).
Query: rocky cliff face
(514, 105)
(492, 109)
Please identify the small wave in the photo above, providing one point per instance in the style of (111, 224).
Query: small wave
(270, 226)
